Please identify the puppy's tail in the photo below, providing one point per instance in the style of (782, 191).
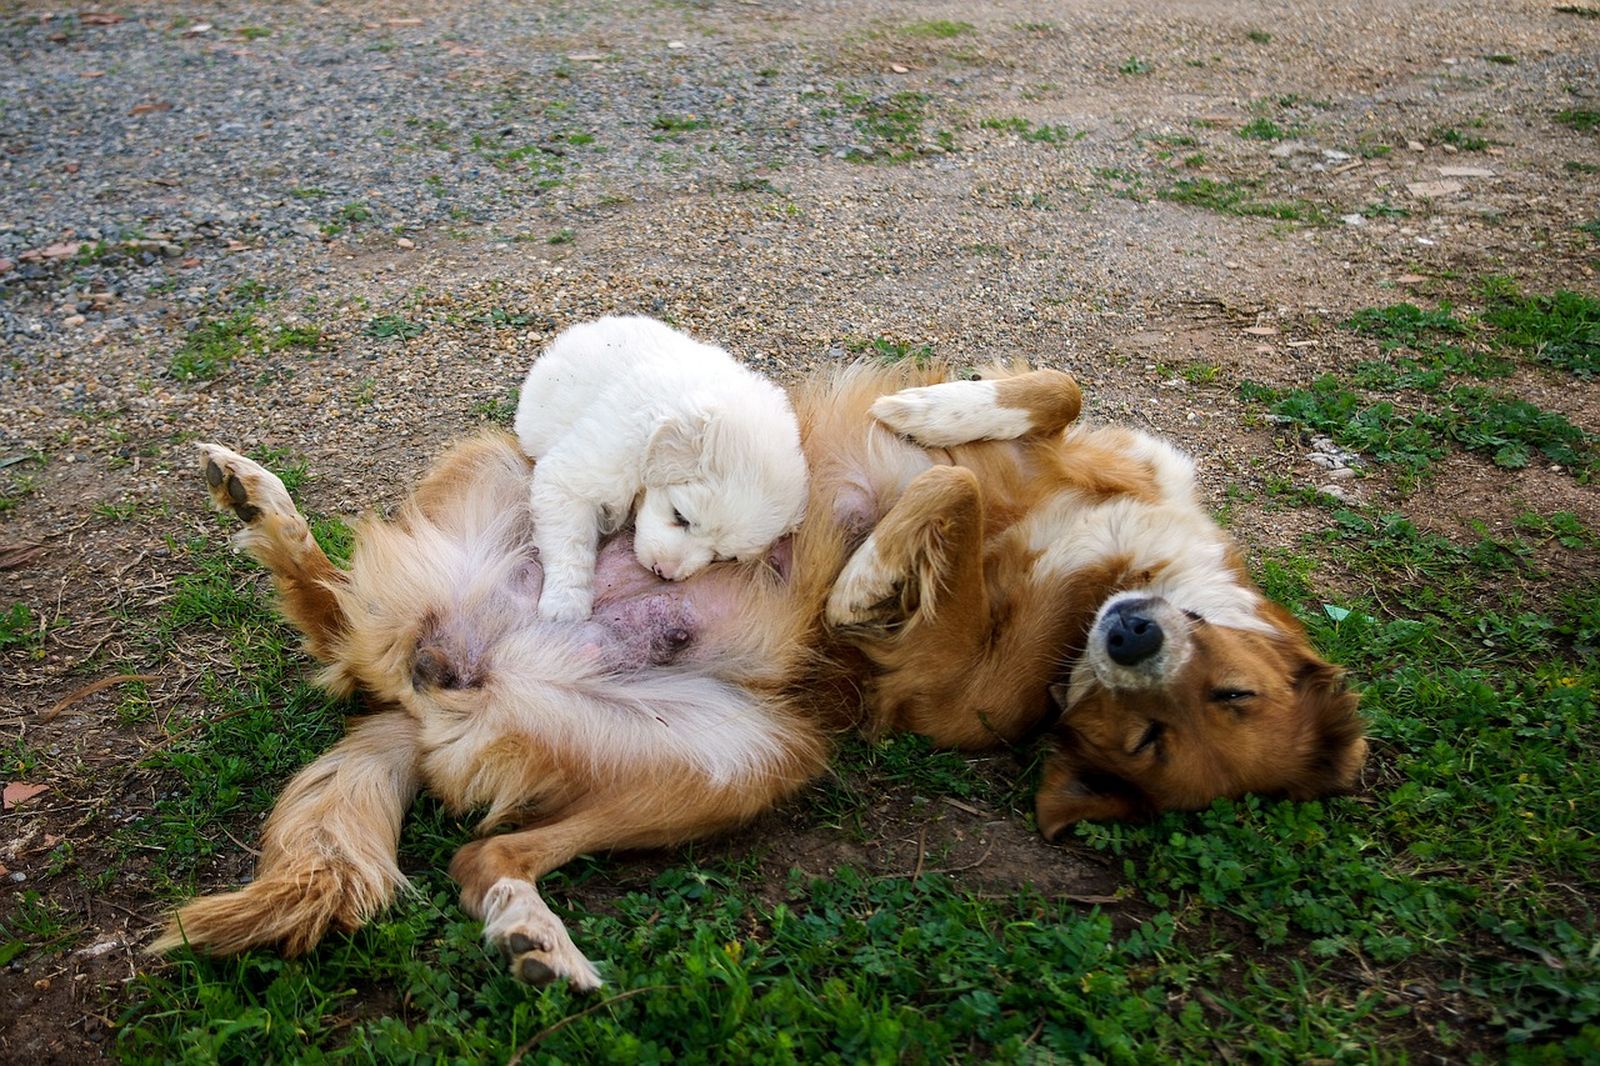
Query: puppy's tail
(328, 851)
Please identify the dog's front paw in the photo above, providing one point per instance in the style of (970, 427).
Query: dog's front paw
(565, 603)
(532, 940)
(241, 485)
(867, 591)
(951, 413)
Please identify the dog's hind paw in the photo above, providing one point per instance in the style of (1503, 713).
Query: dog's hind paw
(242, 485)
(531, 939)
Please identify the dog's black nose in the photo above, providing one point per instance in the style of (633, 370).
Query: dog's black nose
(1132, 638)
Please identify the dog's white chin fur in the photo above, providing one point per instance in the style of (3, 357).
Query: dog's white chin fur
(1155, 672)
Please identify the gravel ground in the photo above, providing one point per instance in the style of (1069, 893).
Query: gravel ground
(394, 207)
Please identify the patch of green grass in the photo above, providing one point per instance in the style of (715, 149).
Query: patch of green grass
(1577, 167)
(1407, 325)
(35, 923)
(1560, 330)
(891, 350)
(18, 488)
(943, 29)
(211, 347)
(253, 33)
(17, 759)
(680, 123)
(563, 235)
(1563, 527)
(393, 327)
(1384, 209)
(1578, 118)
(1502, 58)
(892, 125)
(308, 337)
(1236, 198)
(1261, 129)
(1508, 430)
(1259, 37)
(501, 409)
(1029, 132)
(1466, 142)
(1133, 65)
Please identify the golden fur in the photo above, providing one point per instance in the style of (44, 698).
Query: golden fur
(931, 588)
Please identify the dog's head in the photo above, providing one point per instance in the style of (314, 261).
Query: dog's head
(721, 481)
(1167, 710)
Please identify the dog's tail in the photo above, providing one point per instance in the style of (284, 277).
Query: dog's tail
(327, 854)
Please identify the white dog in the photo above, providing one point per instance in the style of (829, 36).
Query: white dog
(628, 410)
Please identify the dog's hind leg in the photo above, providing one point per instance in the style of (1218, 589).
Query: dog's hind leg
(327, 852)
(277, 535)
(961, 412)
(498, 873)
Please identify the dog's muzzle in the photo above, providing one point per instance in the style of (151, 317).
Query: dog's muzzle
(1131, 633)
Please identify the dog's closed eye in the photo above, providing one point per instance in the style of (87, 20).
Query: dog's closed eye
(679, 520)
(1150, 737)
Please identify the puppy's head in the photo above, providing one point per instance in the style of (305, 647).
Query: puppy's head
(723, 480)
(1166, 710)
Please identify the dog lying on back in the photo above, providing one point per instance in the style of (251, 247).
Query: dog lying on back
(622, 412)
(966, 553)
(1072, 574)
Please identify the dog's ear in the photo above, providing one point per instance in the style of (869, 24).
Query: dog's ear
(1336, 748)
(1069, 793)
(672, 455)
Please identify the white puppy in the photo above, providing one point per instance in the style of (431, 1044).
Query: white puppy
(628, 410)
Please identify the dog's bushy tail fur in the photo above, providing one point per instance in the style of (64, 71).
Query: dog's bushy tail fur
(328, 850)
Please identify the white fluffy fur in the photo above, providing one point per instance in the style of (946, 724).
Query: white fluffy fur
(1171, 536)
(626, 409)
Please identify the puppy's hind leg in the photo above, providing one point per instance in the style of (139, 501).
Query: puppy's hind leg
(277, 535)
(327, 852)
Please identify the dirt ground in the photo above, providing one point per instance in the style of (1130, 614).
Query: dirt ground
(799, 180)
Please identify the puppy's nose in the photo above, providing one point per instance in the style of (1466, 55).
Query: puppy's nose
(1132, 638)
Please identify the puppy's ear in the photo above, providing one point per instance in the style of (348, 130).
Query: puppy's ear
(672, 455)
(1337, 748)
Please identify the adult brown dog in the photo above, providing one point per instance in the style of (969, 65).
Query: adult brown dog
(967, 569)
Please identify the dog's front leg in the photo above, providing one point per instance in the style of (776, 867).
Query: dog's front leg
(926, 555)
(961, 412)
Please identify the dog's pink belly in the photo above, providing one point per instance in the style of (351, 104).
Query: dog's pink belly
(639, 620)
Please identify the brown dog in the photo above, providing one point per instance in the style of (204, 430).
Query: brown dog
(982, 565)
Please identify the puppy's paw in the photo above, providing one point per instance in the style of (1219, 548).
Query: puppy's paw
(532, 940)
(952, 413)
(867, 591)
(241, 485)
(565, 603)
